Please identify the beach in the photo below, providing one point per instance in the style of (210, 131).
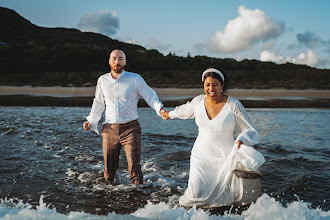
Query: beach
(165, 92)
(82, 96)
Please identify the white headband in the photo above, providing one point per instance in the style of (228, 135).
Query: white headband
(212, 70)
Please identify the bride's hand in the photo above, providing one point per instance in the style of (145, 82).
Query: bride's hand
(238, 142)
(164, 114)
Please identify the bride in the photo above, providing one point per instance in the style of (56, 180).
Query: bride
(214, 154)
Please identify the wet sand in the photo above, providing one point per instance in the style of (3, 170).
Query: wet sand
(166, 92)
(171, 97)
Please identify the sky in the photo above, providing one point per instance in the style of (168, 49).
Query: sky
(280, 31)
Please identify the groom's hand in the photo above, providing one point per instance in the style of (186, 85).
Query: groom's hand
(164, 114)
(87, 125)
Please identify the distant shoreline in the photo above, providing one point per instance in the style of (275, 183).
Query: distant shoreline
(171, 97)
(166, 93)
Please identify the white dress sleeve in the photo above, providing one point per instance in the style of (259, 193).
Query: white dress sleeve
(186, 111)
(148, 94)
(249, 135)
(97, 107)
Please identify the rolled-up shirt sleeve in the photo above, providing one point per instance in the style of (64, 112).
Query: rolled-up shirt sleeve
(248, 135)
(97, 107)
(148, 94)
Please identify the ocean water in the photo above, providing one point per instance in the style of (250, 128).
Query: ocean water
(50, 168)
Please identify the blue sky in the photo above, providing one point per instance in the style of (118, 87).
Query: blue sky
(269, 30)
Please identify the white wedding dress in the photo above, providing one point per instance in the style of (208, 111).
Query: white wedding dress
(213, 157)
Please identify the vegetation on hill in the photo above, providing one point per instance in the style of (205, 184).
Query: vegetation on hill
(32, 55)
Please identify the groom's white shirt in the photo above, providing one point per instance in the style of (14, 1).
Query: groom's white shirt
(120, 97)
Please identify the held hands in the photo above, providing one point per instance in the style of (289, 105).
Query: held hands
(164, 114)
(238, 142)
(87, 125)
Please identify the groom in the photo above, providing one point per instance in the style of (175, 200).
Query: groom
(118, 93)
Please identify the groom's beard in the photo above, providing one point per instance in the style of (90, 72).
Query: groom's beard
(118, 68)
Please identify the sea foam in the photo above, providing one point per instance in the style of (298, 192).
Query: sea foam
(266, 207)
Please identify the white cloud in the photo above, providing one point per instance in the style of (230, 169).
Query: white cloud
(308, 58)
(250, 27)
(132, 41)
(155, 44)
(310, 40)
(103, 22)
(268, 56)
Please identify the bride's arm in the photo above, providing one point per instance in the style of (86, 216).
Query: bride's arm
(249, 135)
(185, 111)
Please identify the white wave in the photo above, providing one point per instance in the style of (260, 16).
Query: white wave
(7, 132)
(98, 166)
(87, 177)
(156, 176)
(266, 207)
(84, 158)
(71, 173)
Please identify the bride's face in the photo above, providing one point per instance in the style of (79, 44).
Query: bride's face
(212, 87)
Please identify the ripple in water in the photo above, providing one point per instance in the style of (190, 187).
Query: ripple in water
(46, 157)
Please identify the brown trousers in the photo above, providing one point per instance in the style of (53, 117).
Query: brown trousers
(127, 135)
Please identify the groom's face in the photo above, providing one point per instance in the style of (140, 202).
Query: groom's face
(117, 61)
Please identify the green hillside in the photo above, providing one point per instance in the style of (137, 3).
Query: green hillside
(32, 55)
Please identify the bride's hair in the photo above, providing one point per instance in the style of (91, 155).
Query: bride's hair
(218, 77)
